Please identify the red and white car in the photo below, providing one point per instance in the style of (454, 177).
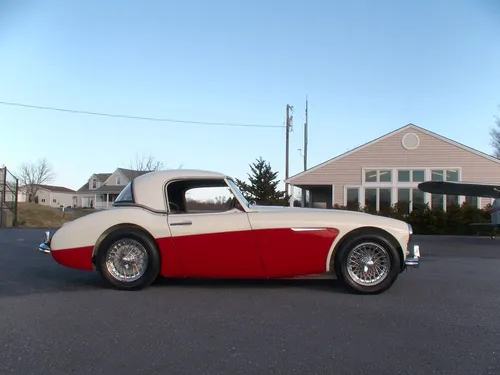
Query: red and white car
(190, 223)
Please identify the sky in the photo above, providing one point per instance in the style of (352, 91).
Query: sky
(366, 67)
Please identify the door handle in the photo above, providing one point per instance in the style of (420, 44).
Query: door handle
(182, 223)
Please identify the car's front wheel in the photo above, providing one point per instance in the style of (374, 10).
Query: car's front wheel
(367, 264)
(128, 259)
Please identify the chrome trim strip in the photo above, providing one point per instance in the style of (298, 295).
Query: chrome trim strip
(137, 205)
(306, 229)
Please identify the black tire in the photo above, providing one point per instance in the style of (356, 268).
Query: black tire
(142, 244)
(381, 244)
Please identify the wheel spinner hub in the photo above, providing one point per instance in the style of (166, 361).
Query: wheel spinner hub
(368, 264)
(127, 260)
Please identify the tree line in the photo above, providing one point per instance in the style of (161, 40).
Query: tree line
(261, 188)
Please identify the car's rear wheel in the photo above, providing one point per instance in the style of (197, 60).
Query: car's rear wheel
(368, 264)
(128, 259)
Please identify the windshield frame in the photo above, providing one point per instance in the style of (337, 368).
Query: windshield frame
(237, 192)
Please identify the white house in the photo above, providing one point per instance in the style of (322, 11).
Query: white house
(53, 196)
(101, 189)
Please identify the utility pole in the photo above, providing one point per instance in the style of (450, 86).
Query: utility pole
(305, 157)
(288, 129)
(305, 140)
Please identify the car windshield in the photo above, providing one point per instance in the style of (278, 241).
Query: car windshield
(238, 192)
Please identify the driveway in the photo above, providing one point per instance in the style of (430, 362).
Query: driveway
(440, 319)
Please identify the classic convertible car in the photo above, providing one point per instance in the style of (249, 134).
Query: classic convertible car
(190, 223)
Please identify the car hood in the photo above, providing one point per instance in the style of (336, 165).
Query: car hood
(326, 215)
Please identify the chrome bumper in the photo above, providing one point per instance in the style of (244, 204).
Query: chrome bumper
(44, 247)
(413, 258)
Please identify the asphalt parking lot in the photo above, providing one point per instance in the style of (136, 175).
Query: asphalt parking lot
(440, 319)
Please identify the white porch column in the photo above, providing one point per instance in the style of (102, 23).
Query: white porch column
(292, 191)
(95, 201)
(333, 196)
(107, 200)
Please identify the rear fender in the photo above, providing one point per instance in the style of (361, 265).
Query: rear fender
(112, 229)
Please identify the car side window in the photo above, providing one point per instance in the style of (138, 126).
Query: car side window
(200, 196)
(208, 199)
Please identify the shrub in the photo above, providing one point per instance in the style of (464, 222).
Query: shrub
(455, 220)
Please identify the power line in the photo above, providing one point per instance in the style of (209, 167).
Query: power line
(157, 119)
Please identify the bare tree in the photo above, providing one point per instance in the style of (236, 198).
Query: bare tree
(495, 138)
(33, 174)
(144, 163)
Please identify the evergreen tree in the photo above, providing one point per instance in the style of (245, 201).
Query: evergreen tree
(263, 185)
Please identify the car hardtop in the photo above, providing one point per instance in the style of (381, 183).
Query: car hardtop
(161, 177)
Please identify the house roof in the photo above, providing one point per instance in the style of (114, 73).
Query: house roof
(132, 174)
(54, 188)
(376, 140)
(102, 176)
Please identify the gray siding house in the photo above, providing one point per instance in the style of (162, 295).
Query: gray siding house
(101, 189)
(388, 169)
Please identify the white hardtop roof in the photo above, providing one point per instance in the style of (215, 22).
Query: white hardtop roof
(169, 174)
(149, 187)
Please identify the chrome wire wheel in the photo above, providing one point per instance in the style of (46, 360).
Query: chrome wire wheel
(368, 264)
(127, 260)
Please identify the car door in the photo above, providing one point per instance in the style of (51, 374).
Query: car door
(212, 238)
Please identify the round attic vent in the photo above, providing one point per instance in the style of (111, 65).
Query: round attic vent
(410, 141)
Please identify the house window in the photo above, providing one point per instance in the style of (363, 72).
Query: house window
(403, 176)
(385, 176)
(118, 182)
(437, 175)
(418, 175)
(437, 201)
(378, 199)
(472, 201)
(451, 200)
(94, 183)
(43, 200)
(53, 201)
(404, 182)
(385, 196)
(452, 175)
(404, 199)
(417, 198)
(404, 196)
(371, 176)
(371, 198)
(352, 198)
